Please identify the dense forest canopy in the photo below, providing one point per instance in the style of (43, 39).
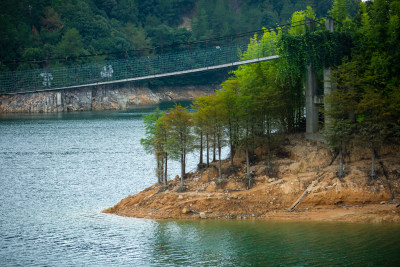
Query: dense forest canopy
(261, 103)
(40, 29)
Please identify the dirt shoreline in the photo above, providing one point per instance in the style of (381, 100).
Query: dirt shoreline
(149, 204)
(304, 166)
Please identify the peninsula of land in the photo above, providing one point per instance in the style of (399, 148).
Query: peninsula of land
(302, 185)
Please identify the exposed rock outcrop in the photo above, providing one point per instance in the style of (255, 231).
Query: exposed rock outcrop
(107, 97)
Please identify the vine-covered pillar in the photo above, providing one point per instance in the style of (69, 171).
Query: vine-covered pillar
(311, 97)
(328, 85)
(311, 105)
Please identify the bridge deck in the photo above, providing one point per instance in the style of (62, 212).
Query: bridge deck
(227, 65)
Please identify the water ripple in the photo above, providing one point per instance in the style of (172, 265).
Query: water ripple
(58, 173)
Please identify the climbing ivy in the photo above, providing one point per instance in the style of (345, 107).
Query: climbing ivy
(318, 48)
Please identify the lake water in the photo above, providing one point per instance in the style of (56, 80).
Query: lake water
(59, 171)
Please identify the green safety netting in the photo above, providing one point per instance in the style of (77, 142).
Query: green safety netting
(132, 65)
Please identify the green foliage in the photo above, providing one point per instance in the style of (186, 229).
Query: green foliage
(149, 121)
(165, 35)
(205, 114)
(339, 10)
(342, 106)
(299, 17)
(179, 122)
(229, 97)
(258, 99)
(136, 36)
(51, 20)
(265, 99)
(112, 25)
(125, 11)
(373, 118)
(340, 115)
(155, 141)
(319, 49)
(180, 141)
(364, 108)
(71, 44)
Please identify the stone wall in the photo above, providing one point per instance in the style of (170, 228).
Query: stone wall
(106, 97)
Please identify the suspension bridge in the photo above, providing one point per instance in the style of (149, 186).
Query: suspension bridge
(137, 65)
(158, 62)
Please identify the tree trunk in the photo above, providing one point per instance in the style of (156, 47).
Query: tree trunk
(333, 158)
(208, 151)
(219, 157)
(341, 167)
(268, 146)
(182, 168)
(201, 148)
(158, 169)
(372, 163)
(214, 149)
(386, 174)
(247, 163)
(166, 165)
(232, 152)
(161, 170)
(184, 163)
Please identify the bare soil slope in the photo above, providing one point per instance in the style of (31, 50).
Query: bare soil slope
(302, 165)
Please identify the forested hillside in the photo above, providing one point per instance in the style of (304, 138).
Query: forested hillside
(46, 29)
(261, 103)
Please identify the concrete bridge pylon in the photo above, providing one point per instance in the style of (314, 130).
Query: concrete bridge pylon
(313, 100)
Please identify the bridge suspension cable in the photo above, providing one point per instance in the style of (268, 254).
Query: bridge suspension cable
(135, 65)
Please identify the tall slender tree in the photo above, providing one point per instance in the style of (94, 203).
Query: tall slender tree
(342, 110)
(151, 143)
(180, 136)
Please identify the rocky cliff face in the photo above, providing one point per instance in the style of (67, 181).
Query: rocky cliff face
(97, 98)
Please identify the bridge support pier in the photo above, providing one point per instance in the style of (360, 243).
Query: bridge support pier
(312, 98)
(328, 85)
(311, 104)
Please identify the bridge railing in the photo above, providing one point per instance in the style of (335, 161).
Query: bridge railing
(133, 64)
